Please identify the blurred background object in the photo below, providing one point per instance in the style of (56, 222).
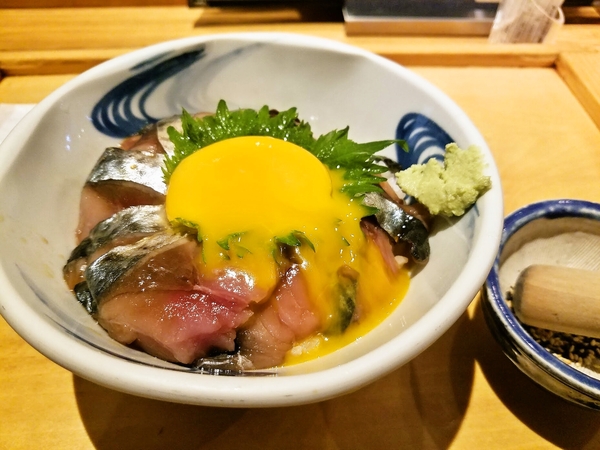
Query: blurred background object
(87, 3)
(390, 17)
(424, 17)
(527, 21)
(216, 12)
(262, 3)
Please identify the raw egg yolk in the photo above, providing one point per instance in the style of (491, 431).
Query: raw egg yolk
(246, 193)
(249, 183)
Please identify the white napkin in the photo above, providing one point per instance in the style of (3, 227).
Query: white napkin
(10, 114)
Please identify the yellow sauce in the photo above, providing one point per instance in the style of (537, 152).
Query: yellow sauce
(245, 192)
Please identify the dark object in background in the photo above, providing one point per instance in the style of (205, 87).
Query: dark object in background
(264, 3)
(580, 2)
(267, 11)
(370, 7)
(421, 8)
(389, 17)
(467, 17)
(423, 17)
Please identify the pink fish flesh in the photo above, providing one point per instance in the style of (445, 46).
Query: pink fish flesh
(178, 326)
(286, 318)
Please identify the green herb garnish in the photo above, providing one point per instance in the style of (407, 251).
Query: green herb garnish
(225, 242)
(295, 239)
(187, 226)
(333, 149)
(232, 243)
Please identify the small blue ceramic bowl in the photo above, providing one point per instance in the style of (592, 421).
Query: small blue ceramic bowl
(559, 232)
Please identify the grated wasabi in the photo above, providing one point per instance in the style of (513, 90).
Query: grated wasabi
(450, 188)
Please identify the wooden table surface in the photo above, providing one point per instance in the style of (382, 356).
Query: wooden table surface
(538, 107)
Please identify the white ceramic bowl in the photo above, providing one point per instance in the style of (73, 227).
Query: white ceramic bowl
(46, 159)
(562, 232)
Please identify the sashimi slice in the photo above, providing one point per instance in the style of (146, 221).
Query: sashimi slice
(383, 242)
(285, 319)
(178, 326)
(120, 178)
(124, 227)
(158, 262)
(101, 201)
(293, 304)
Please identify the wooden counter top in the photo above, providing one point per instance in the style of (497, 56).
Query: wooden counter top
(537, 107)
(50, 41)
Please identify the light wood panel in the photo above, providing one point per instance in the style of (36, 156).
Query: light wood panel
(87, 3)
(50, 41)
(544, 141)
(462, 393)
(30, 88)
(536, 106)
(581, 71)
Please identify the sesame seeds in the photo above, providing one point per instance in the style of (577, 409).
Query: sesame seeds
(575, 350)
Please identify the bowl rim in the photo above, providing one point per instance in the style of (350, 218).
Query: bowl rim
(285, 390)
(519, 337)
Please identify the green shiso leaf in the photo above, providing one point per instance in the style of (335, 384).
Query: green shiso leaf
(334, 149)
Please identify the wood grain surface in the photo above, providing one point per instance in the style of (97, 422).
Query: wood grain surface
(581, 71)
(49, 41)
(462, 392)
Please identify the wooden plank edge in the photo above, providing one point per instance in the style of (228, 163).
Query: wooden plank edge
(56, 62)
(582, 14)
(508, 59)
(581, 72)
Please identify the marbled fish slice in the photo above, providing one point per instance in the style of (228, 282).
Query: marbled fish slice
(160, 261)
(148, 293)
(120, 178)
(141, 167)
(130, 222)
(400, 225)
(124, 227)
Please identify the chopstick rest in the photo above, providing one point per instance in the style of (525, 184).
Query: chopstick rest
(559, 298)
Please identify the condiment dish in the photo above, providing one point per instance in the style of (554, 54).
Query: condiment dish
(563, 233)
